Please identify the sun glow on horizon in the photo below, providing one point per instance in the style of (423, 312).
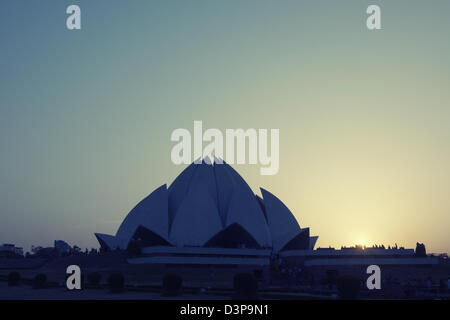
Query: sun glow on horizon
(362, 242)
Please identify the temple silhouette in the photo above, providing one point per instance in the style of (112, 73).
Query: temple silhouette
(209, 215)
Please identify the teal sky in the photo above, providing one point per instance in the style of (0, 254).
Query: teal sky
(364, 117)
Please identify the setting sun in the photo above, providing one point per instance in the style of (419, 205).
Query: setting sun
(362, 242)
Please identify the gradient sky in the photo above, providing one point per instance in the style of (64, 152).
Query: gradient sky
(364, 116)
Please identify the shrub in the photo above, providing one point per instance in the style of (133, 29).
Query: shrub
(172, 284)
(331, 278)
(348, 287)
(94, 278)
(116, 283)
(420, 250)
(14, 279)
(245, 286)
(443, 286)
(40, 281)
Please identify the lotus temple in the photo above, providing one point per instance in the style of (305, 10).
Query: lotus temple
(209, 215)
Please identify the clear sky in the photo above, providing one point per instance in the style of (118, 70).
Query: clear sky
(364, 116)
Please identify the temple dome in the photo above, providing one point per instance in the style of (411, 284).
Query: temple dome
(197, 219)
(204, 206)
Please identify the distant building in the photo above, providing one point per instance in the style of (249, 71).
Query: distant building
(356, 256)
(11, 248)
(62, 247)
(36, 249)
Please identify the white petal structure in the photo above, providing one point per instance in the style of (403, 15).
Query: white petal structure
(204, 178)
(210, 204)
(197, 219)
(179, 189)
(107, 241)
(282, 224)
(225, 187)
(312, 242)
(150, 213)
(238, 180)
(245, 210)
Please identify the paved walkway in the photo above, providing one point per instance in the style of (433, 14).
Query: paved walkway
(27, 293)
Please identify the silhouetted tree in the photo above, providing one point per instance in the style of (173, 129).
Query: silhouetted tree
(45, 253)
(76, 249)
(420, 250)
